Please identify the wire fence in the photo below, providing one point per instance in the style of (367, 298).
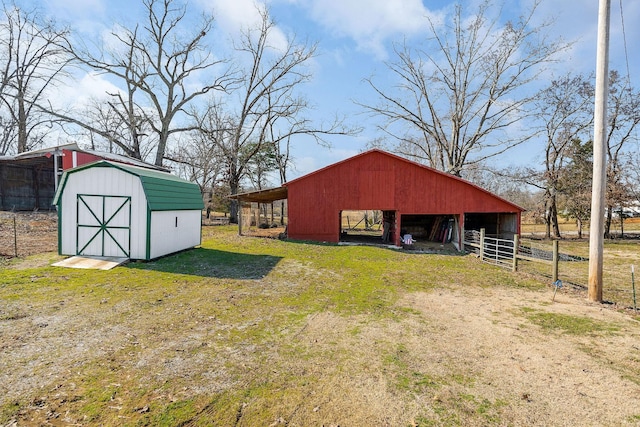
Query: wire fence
(27, 233)
(566, 260)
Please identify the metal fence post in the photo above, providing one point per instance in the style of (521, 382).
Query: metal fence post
(555, 261)
(516, 244)
(15, 237)
(482, 244)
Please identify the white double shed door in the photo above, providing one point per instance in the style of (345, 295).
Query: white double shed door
(103, 212)
(103, 225)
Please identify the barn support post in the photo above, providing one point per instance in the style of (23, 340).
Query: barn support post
(516, 243)
(461, 232)
(256, 215)
(554, 274)
(396, 229)
(3, 190)
(240, 222)
(482, 231)
(272, 215)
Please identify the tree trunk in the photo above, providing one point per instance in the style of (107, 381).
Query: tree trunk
(162, 146)
(234, 184)
(22, 125)
(547, 225)
(607, 222)
(553, 216)
(579, 223)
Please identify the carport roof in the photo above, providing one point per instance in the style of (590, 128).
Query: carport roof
(262, 196)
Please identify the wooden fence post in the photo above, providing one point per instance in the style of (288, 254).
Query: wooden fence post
(15, 237)
(555, 261)
(482, 244)
(516, 244)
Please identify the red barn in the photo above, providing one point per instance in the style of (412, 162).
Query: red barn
(413, 198)
(29, 180)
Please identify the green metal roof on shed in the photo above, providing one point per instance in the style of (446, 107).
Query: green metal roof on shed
(164, 192)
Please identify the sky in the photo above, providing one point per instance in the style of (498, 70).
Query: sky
(355, 38)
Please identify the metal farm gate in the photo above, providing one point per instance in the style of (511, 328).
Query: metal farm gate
(103, 225)
(491, 250)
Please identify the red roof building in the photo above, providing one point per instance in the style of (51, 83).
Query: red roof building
(28, 180)
(414, 199)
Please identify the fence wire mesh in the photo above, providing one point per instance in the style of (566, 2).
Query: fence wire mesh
(573, 262)
(27, 233)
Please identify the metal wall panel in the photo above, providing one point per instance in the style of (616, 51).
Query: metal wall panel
(173, 231)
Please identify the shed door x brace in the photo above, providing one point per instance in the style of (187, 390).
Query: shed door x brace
(103, 225)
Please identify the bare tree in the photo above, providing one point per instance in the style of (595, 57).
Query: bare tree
(565, 109)
(564, 113)
(624, 118)
(576, 180)
(157, 65)
(198, 161)
(633, 179)
(459, 99)
(265, 107)
(7, 134)
(31, 61)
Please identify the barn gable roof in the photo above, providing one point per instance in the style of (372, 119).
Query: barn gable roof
(164, 192)
(402, 159)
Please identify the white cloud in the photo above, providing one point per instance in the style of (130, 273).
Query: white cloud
(82, 92)
(240, 15)
(234, 14)
(371, 22)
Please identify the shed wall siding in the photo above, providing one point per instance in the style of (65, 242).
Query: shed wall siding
(376, 180)
(107, 182)
(167, 238)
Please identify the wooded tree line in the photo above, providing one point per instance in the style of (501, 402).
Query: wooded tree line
(225, 115)
(483, 87)
(175, 98)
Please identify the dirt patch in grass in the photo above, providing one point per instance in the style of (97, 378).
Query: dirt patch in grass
(323, 335)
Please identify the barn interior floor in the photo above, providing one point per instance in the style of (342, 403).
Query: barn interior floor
(432, 247)
(418, 246)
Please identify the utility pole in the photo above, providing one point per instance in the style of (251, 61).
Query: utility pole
(596, 228)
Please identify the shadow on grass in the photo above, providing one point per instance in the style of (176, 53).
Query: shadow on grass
(213, 263)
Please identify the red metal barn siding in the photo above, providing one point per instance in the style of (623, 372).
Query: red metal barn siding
(80, 159)
(379, 180)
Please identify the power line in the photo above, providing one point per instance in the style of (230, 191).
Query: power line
(624, 42)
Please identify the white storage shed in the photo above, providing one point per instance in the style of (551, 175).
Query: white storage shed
(111, 209)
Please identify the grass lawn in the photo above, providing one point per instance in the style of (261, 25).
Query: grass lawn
(261, 332)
